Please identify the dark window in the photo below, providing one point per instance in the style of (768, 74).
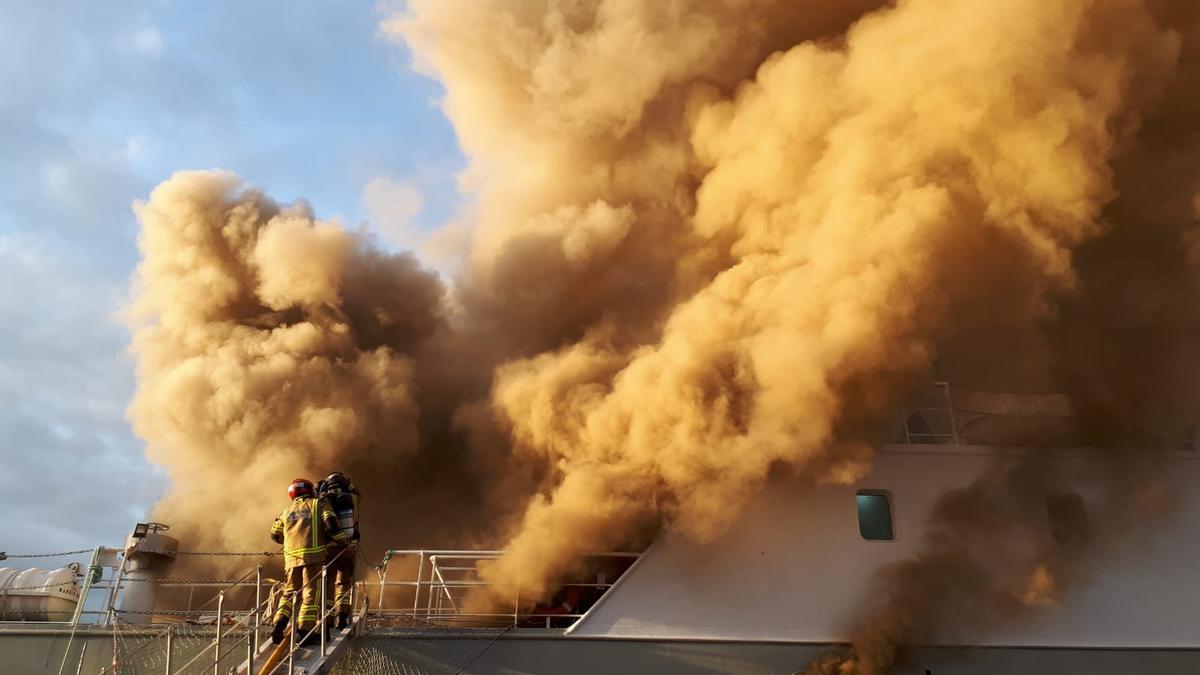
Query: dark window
(1068, 518)
(874, 515)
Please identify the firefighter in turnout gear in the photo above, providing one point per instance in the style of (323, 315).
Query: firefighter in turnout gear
(305, 528)
(342, 496)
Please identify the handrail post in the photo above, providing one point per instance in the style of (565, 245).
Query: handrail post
(292, 635)
(417, 590)
(383, 580)
(324, 610)
(257, 613)
(87, 586)
(217, 647)
(116, 589)
(361, 626)
(429, 594)
(170, 645)
(950, 407)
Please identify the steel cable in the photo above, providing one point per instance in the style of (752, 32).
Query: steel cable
(60, 554)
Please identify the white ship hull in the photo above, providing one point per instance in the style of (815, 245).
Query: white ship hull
(785, 585)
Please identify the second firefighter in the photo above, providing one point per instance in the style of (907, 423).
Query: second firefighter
(305, 528)
(342, 496)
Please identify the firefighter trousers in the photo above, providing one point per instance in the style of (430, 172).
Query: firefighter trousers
(341, 578)
(305, 580)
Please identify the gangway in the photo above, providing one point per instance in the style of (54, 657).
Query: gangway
(317, 659)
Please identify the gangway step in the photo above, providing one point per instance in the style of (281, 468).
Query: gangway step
(309, 660)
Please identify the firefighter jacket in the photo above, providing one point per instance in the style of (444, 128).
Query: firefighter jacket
(305, 528)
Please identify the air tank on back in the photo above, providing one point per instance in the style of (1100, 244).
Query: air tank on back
(39, 595)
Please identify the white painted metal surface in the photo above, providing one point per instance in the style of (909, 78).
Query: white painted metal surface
(38, 595)
(148, 554)
(796, 569)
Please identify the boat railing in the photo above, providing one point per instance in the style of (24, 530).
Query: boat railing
(224, 624)
(192, 623)
(950, 414)
(445, 588)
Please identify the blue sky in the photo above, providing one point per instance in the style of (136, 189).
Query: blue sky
(101, 101)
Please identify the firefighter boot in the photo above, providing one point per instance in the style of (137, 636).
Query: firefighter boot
(343, 620)
(277, 631)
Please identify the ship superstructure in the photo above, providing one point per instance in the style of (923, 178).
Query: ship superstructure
(783, 586)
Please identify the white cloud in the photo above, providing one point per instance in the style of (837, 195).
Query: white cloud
(148, 41)
(123, 109)
(135, 148)
(64, 379)
(55, 178)
(391, 206)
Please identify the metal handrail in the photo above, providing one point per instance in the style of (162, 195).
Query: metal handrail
(958, 415)
(326, 613)
(240, 618)
(435, 583)
(911, 436)
(445, 590)
(441, 575)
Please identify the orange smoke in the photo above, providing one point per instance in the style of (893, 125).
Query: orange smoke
(820, 211)
(714, 240)
(270, 345)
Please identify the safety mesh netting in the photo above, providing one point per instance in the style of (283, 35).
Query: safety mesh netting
(144, 649)
(417, 654)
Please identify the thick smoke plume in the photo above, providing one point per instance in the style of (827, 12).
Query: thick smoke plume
(828, 211)
(712, 240)
(271, 345)
(1122, 345)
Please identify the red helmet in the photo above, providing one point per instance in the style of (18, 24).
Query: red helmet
(300, 487)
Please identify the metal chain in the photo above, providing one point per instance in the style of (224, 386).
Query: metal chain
(14, 556)
(191, 616)
(165, 612)
(60, 554)
(38, 587)
(127, 580)
(230, 582)
(213, 553)
(125, 655)
(235, 649)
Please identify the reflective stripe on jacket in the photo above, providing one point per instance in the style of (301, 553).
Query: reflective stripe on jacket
(305, 528)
